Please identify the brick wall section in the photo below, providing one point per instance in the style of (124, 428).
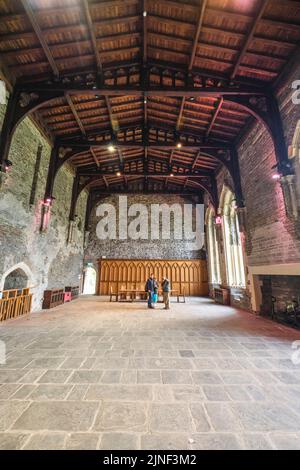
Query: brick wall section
(52, 262)
(271, 238)
(143, 249)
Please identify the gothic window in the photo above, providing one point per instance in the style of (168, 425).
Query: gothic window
(232, 242)
(213, 249)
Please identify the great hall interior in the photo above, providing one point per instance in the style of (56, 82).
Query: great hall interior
(193, 102)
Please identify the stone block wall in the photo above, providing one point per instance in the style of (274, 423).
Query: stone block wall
(48, 259)
(143, 249)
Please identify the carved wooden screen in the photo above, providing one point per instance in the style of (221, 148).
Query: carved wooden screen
(187, 275)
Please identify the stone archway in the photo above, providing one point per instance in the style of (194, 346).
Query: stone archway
(90, 280)
(17, 277)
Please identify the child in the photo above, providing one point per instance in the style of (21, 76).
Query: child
(155, 292)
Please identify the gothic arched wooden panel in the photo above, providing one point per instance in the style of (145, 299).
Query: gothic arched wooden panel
(189, 276)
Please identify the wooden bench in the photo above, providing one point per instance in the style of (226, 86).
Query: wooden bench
(130, 295)
(180, 295)
(53, 298)
(74, 291)
(222, 295)
(113, 294)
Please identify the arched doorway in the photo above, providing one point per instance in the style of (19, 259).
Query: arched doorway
(90, 278)
(17, 277)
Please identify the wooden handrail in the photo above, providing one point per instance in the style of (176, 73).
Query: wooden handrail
(15, 306)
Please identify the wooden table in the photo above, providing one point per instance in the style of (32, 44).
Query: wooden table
(133, 294)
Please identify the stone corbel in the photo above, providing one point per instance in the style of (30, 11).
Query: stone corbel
(45, 217)
(72, 234)
(242, 218)
(86, 238)
(291, 199)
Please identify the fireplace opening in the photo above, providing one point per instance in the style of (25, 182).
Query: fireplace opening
(281, 298)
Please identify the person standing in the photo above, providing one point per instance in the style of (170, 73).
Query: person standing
(155, 293)
(149, 288)
(166, 287)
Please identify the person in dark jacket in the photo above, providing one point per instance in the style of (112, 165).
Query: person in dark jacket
(166, 287)
(150, 285)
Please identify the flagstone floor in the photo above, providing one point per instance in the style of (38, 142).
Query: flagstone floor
(98, 375)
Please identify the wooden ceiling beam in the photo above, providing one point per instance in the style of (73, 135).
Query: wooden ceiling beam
(11, 52)
(118, 20)
(94, 156)
(199, 174)
(105, 181)
(92, 34)
(114, 125)
(110, 191)
(37, 29)
(250, 34)
(145, 33)
(196, 160)
(240, 36)
(75, 114)
(214, 117)
(180, 114)
(112, 120)
(203, 4)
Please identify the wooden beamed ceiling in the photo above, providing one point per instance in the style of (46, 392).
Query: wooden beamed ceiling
(248, 41)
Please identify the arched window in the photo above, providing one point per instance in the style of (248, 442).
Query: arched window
(232, 242)
(213, 248)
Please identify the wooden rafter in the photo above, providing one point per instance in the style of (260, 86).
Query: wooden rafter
(214, 117)
(114, 126)
(198, 175)
(203, 4)
(196, 159)
(37, 29)
(249, 37)
(105, 181)
(173, 54)
(145, 32)
(94, 156)
(75, 114)
(145, 48)
(92, 33)
(198, 31)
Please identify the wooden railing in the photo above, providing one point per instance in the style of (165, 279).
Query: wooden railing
(15, 303)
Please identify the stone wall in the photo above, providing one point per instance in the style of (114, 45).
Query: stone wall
(49, 261)
(143, 248)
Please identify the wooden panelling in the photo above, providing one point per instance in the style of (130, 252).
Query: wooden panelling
(188, 276)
